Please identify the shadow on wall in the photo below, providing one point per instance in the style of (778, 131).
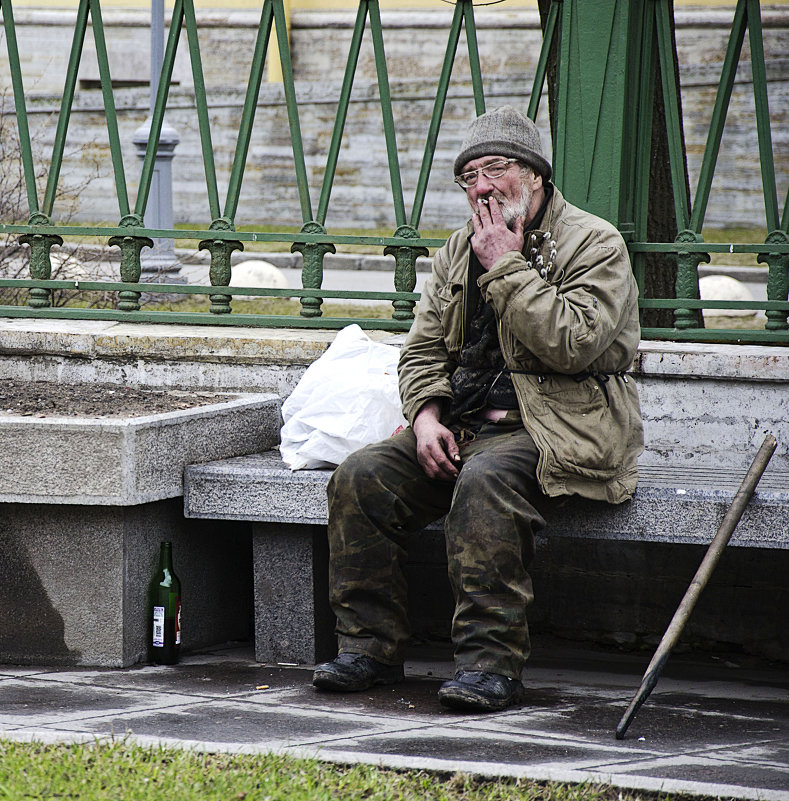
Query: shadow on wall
(32, 631)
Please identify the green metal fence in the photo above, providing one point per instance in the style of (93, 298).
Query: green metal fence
(689, 245)
(220, 238)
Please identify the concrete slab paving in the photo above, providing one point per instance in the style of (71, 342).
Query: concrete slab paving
(715, 726)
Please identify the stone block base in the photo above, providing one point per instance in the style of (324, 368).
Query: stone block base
(615, 593)
(74, 581)
(625, 594)
(293, 621)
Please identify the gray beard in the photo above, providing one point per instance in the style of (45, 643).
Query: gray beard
(512, 211)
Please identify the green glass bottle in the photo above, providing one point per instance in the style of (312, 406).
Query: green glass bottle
(165, 643)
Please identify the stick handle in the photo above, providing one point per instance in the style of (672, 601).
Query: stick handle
(719, 542)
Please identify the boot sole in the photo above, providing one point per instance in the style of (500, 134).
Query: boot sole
(468, 701)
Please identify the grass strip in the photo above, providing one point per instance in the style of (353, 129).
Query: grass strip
(120, 771)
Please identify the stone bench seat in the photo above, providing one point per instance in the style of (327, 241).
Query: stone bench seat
(288, 511)
(675, 504)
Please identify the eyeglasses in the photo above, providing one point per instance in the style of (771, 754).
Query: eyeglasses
(492, 171)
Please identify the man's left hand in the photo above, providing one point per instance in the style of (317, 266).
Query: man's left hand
(492, 238)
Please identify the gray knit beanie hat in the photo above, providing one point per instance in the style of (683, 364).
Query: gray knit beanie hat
(503, 132)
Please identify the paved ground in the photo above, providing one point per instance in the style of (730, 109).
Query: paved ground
(713, 726)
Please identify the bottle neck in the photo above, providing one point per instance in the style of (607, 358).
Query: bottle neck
(166, 563)
(166, 555)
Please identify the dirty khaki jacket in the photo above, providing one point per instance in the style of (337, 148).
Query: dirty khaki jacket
(579, 317)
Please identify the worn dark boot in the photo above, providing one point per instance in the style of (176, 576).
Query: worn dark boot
(349, 673)
(480, 691)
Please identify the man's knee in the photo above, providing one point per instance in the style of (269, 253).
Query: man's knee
(493, 475)
(383, 464)
(478, 481)
(491, 501)
(353, 473)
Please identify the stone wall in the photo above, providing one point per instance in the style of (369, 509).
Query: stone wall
(707, 403)
(74, 581)
(509, 45)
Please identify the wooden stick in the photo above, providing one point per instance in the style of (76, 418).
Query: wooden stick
(700, 580)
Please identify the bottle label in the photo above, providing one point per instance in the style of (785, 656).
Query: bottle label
(158, 627)
(178, 621)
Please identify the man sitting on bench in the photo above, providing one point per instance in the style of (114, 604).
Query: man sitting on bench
(513, 380)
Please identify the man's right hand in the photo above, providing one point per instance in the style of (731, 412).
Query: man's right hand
(436, 449)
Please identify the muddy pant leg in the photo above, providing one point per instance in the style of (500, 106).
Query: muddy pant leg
(490, 543)
(376, 497)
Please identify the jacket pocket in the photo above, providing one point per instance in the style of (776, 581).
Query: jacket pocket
(450, 299)
(585, 433)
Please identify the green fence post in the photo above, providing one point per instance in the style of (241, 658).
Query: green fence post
(437, 115)
(25, 144)
(687, 281)
(219, 272)
(778, 264)
(593, 79)
(201, 105)
(473, 57)
(642, 118)
(131, 246)
(777, 279)
(221, 250)
(40, 263)
(312, 254)
(109, 108)
(405, 257)
(549, 34)
(66, 104)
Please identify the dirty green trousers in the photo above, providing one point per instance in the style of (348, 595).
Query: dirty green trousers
(380, 494)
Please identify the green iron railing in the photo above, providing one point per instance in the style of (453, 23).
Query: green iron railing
(313, 241)
(689, 245)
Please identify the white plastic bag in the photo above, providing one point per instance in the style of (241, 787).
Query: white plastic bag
(346, 399)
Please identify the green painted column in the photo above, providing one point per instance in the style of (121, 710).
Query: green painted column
(596, 106)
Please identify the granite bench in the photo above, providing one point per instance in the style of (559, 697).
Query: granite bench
(288, 511)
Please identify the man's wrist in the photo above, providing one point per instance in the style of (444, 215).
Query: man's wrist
(429, 410)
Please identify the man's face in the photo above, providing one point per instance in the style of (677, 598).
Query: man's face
(514, 190)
